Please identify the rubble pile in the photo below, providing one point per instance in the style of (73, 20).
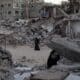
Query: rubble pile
(6, 65)
(25, 32)
(25, 72)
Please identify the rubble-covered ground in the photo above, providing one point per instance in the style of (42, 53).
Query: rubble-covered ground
(31, 65)
(23, 32)
(18, 38)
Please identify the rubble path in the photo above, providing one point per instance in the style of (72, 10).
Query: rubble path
(37, 57)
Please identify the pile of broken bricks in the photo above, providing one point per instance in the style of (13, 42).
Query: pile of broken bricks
(23, 33)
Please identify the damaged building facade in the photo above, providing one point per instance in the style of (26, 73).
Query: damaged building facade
(71, 7)
(23, 9)
(6, 9)
(33, 8)
(12, 9)
(19, 9)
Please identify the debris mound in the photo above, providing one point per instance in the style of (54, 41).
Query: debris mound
(6, 65)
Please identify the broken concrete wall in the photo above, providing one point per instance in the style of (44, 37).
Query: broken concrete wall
(34, 10)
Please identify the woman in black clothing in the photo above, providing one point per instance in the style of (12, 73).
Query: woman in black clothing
(37, 42)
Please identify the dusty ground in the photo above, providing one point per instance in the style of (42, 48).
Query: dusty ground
(33, 57)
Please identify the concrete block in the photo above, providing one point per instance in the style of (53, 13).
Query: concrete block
(48, 75)
(73, 77)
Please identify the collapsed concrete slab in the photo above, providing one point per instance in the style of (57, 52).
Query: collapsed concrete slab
(66, 48)
(73, 77)
(48, 75)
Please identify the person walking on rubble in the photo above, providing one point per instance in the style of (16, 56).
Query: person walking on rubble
(36, 42)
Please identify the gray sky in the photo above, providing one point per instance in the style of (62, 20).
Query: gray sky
(54, 1)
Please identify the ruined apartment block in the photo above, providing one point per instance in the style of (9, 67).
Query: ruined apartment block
(6, 9)
(12, 9)
(19, 9)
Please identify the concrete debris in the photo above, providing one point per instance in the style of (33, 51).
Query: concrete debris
(24, 32)
(47, 75)
(73, 77)
(6, 65)
(5, 58)
(22, 77)
(23, 69)
(74, 68)
(6, 74)
(65, 61)
(66, 48)
(22, 73)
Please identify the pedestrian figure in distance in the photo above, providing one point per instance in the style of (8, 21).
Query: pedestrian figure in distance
(37, 42)
(53, 58)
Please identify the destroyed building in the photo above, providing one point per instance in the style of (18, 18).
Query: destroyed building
(71, 7)
(6, 9)
(19, 9)
(47, 21)
(12, 9)
(33, 8)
